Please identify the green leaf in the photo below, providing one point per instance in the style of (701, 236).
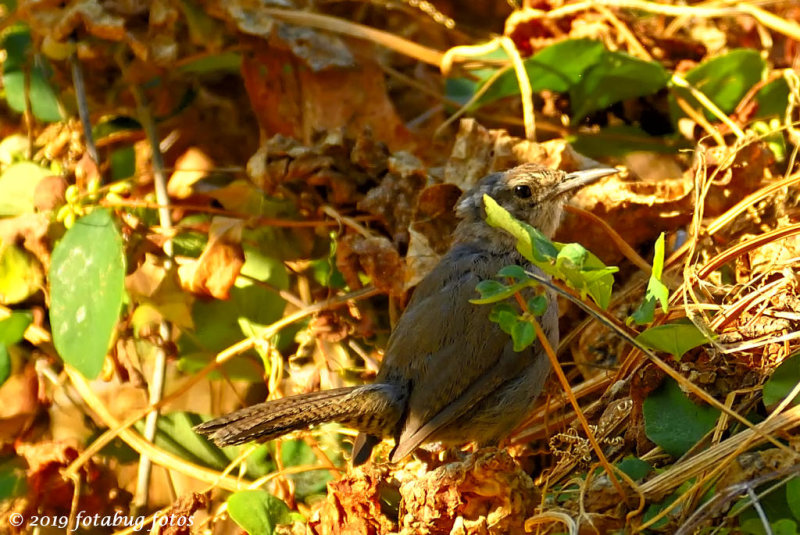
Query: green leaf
(634, 467)
(656, 289)
(619, 140)
(12, 330)
(655, 508)
(523, 334)
(775, 506)
(461, 90)
(18, 185)
(547, 69)
(793, 496)
(493, 291)
(123, 163)
(773, 99)
(616, 76)
(249, 309)
(644, 313)
(490, 288)
(514, 272)
(114, 125)
(298, 453)
(571, 263)
(5, 363)
(13, 327)
(783, 380)
(12, 480)
(17, 43)
(20, 274)
(257, 511)
(673, 422)
(724, 79)
(175, 434)
(531, 243)
(505, 315)
(537, 305)
(87, 276)
(584, 272)
(44, 103)
(674, 338)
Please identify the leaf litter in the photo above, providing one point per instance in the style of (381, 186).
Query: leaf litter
(311, 150)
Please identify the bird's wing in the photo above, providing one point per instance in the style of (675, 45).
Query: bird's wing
(420, 426)
(447, 349)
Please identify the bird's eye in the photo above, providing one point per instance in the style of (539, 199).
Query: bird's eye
(523, 192)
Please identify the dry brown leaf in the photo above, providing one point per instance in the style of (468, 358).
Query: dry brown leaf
(377, 257)
(488, 490)
(158, 295)
(177, 520)
(21, 403)
(191, 166)
(61, 21)
(290, 99)
(393, 200)
(49, 193)
(353, 505)
(217, 268)
(51, 494)
(32, 230)
(478, 151)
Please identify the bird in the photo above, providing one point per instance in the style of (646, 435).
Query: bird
(449, 374)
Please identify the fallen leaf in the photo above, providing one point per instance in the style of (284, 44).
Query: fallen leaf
(289, 98)
(215, 272)
(377, 257)
(191, 166)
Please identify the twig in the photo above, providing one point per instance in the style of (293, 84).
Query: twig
(344, 27)
(568, 391)
(473, 99)
(83, 106)
(525, 91)
(156, 386)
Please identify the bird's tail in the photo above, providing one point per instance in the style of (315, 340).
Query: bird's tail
(369, 408)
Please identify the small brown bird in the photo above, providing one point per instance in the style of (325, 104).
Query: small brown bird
(449, 374)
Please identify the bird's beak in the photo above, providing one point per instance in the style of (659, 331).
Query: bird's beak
(578, 179)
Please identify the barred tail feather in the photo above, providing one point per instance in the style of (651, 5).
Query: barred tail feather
(365, 407)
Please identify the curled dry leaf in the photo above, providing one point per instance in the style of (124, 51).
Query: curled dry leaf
(488, 490)
(177, 517)
(217, 268)
(431, 231)
(340, 165)
(330, 326)
(376, 256)
(739, 172)
(20, 405)
(158, 296)
(32, 231)
(393, 200)
(353, 504)
(191, 166)
(478, 151)
(61, 20)
(49, 193)
(50, 494)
